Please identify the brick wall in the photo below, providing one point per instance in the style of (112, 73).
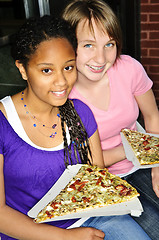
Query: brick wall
(150, 41)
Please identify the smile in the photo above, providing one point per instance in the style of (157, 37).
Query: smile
(96, 68)
(59, 93)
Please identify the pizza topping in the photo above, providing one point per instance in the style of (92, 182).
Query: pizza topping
(48, 214)
(145, 142)
(82, 186)
(89, 170)
(145, 147)
(53, 205)
(88, 189)
(85, 199)
(72, 186)
(102, 172)
(73, 199)
(148, 148)
(99, 181)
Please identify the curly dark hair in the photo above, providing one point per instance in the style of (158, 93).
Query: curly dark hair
(37, 30)
(24, 45)
(78, 134)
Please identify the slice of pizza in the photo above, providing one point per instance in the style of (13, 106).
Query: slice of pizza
(91, 188)
(144, 146)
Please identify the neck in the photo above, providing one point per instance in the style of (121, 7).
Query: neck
(38, 107)
(85, 84)
(40, 116)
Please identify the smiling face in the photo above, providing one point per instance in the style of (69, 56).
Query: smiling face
(96, 52)
(51, 72)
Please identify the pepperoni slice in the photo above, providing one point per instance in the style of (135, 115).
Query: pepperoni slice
(99, 180)
(53, 205)
(145, 142)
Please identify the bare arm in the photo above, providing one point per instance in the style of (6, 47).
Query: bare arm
(20, 226)
(148, 107)
(96, 150)
(114, 155)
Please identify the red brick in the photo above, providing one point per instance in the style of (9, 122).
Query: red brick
(154, 77)
(144, 52)
(154, 18)
(154, 35)
(149, 26)
(144, 35)
(150, 61)
(152, 1)
(154, 69)
(149, 8)
(155, 86)
(154, 52)
(144, 17)
(149, 44)
(144, 1)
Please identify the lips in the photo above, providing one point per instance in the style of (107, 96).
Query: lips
(96, 69)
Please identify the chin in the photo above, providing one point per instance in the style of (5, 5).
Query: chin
(62, 102)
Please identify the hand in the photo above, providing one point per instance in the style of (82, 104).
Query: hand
(84, 233)
(155, 180)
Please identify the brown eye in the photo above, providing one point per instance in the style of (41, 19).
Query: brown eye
(69, 68)
(47, 70)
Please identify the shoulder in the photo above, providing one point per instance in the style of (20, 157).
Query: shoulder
(3, 121)
(86, 116)
(127, 62)
(2, 102)
(128, 67)
(82, 109)
(79, 105)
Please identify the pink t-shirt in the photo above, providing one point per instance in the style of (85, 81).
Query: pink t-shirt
(127, 79)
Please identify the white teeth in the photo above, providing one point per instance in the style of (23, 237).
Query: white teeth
(59, 92)
(96, 68)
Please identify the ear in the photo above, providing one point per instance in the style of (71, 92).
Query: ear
(21, 69)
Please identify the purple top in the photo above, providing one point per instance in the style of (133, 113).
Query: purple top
(30, 172)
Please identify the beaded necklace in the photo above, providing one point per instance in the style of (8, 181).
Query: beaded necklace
(33, 118)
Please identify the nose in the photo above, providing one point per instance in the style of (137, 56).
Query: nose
(100, 56)
(60, 80)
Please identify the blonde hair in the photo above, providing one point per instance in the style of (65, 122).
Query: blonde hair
(102, 14)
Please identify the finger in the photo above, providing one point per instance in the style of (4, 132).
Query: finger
(100, 234)
(156, 190)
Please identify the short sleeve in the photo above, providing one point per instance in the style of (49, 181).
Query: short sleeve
(86, 116)
(1, 133)
(141, 83)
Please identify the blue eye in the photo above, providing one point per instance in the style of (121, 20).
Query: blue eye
(88, 45)
(109, 45)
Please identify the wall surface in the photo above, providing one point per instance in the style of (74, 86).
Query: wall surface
(150, 41)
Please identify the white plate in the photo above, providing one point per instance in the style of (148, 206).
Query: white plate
(132, 207)
(130, 153)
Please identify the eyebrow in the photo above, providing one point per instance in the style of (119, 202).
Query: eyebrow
(92, 41)
(50, 64)
(83, 41)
